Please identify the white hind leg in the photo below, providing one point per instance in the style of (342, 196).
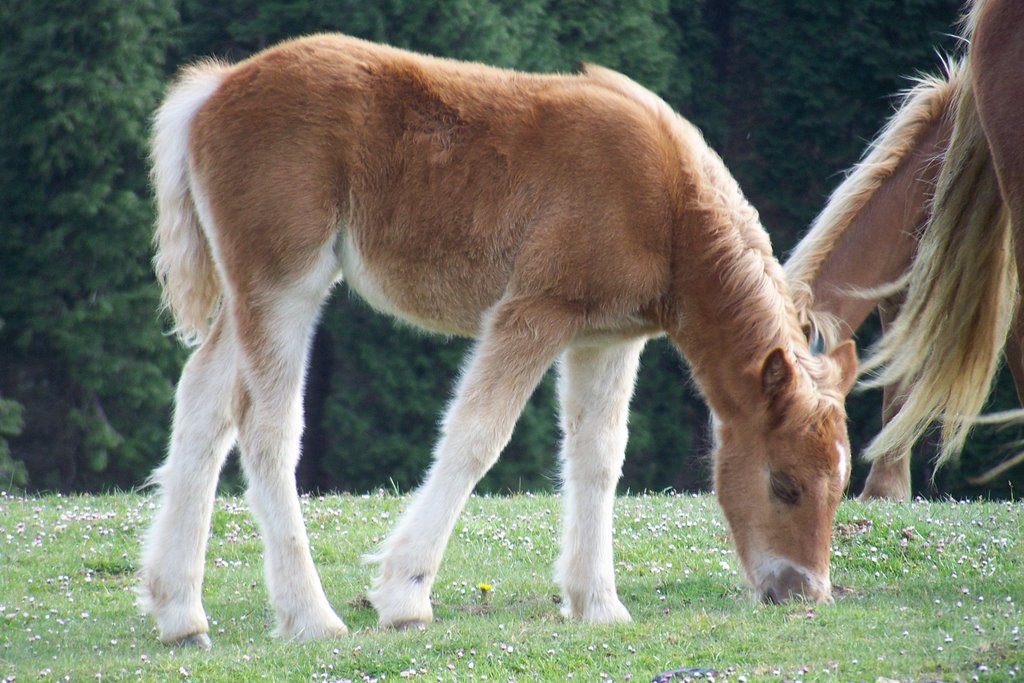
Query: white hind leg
(520, 343)
(175, 546)
(595, 387)
(276, 342)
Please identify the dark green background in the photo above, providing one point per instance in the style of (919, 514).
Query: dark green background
(789, 92)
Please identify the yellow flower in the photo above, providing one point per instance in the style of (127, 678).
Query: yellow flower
(484, 588)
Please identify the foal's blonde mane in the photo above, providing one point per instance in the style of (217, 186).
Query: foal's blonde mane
(748, 268)
(751, 273)
(920, 106)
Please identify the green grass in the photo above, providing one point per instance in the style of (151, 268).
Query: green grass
(925, 591)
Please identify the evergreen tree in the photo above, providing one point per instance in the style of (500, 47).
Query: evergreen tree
(809, 82)
(12, 472)
(82, 350)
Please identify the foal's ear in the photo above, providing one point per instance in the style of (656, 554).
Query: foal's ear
(777, 380)
(845, 356)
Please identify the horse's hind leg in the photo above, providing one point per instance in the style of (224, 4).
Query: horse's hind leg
(274, 339)
(202, 434)
(595, 387)
(521, 340)
(889, 477)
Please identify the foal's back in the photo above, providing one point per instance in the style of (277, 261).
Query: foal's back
(440, 185)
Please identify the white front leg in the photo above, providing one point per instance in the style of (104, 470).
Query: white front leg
(595, 387)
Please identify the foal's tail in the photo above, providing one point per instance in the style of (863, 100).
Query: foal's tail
(942, 351)
(183, 261)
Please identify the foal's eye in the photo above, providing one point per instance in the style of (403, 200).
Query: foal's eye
(785, 488)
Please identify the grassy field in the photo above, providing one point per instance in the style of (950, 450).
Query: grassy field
(927, 591)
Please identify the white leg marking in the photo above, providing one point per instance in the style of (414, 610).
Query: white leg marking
(500, 376)
(202, 434)
(270, 437)
(595, 388)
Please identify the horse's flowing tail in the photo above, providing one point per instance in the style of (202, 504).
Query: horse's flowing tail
(183, 262)
(942, 351)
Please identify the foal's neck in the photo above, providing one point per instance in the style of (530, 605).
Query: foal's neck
(734, 309)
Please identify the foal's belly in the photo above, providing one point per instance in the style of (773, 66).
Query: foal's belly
(438, 296)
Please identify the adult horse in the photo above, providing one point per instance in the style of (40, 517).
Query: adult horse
(951, 160)
(550, 217)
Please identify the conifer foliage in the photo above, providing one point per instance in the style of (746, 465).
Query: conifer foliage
(788, 91)
(80, 347)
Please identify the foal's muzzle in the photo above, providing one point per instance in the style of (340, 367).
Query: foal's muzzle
(785, 580)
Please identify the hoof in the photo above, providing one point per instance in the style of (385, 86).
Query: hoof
(327, 633)
(329, 628)
(410, 626)
(398, 609)
(195, 641)
(895, 494)
(596, 612)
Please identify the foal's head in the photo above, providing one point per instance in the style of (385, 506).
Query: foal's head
(781, 466)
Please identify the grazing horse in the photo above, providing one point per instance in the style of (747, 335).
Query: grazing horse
(551, 217)
(952, 160)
